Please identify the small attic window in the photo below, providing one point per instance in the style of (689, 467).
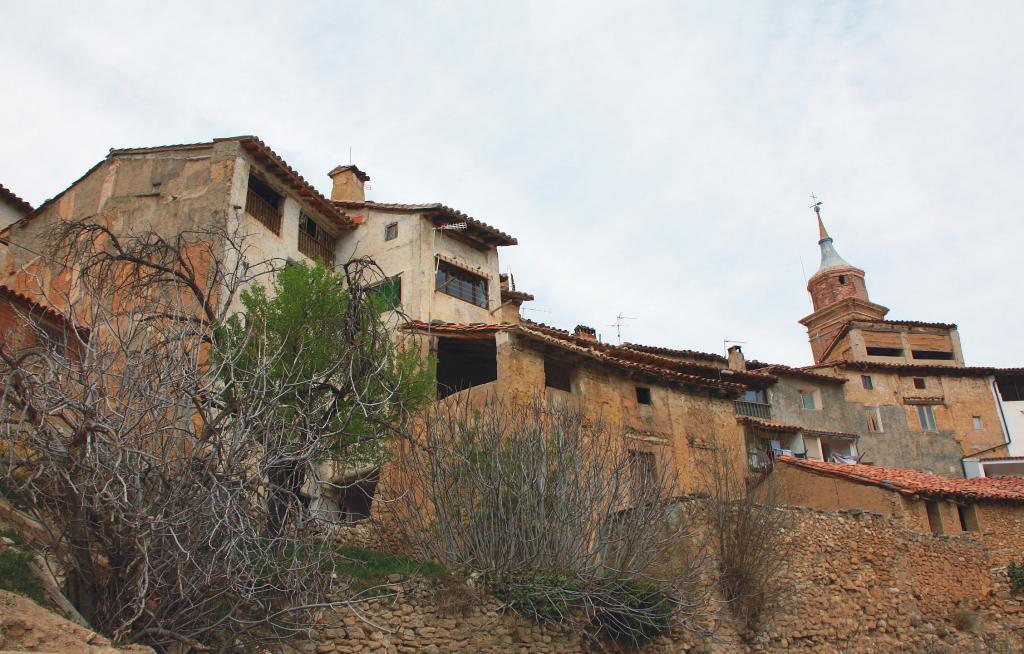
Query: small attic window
(842, 279)
(557, 374)
(643, 395)
(919, 382)
(391, 232)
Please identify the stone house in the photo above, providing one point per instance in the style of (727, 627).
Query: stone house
(991, 510)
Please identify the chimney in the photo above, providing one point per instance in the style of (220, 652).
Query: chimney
(736, 360)
(348, 184)
(582, 331)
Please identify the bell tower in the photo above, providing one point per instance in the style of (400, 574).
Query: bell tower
(838, 293)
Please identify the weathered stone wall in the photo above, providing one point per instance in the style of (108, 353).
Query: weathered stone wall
(856, 582)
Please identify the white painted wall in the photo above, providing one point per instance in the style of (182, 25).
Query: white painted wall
(1014, 413)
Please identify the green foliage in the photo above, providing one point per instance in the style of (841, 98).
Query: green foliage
(324, 349)
(16, 577)
(370, 568)
(548, 598)
(1016, 574)
(634, 612)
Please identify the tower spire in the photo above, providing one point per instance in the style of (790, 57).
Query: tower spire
(829, 257)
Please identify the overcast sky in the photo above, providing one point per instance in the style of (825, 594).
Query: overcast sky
(653, 159)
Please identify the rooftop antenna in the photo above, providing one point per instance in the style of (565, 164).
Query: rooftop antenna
(618, 325)
(350, 155)
(726, 341)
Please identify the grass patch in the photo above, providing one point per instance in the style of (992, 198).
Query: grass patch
(371, 565)
(15, 575)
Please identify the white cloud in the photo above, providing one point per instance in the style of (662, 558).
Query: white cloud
(653, 158)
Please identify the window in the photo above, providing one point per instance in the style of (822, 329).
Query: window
(315, 242)
(932, 354)
(808, 401)
(842, 279)
(388, 293)
(465, 363)
(643, 395)
(642, 465)
(919, 382)
(874, 419)
(977, 423)
(264, 204)
(557, 374)
(876, 351)
(355, 497)
(391, 232)
(934, 517)
(865, 380)
(968, 517)
(462, 284)
(758, 395)
(927, 417)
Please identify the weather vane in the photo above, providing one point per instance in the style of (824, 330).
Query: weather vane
(817, 204)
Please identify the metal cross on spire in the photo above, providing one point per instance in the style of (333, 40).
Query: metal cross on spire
(817, 204)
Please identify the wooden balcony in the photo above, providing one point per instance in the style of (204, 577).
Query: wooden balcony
(263, 211)
(317, 249)
(753, 409)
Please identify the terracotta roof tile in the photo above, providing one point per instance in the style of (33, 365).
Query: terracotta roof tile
(483, 231)
(664, 351)
(455, 329)
(10, 198)
(914, 482)
(768, 425)
(37, 306)
(788, 371)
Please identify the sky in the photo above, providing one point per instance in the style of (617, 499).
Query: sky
(654, 159)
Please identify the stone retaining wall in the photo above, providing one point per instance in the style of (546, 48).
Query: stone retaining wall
(857, 582)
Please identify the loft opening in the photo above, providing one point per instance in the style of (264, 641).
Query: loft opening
(557, 373)
(465, 363)
(264, 204)
(643, 395)
(876, 351)
(354, 496)
(460, 283)
(935, 355)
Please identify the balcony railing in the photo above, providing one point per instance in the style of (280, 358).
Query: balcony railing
(263, 211)
(753, 409)
(315, 249)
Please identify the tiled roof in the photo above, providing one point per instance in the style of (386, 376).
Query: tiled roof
(455, 329)
(914, 482)
(36, 306)
(909, 323)
(915, 368)
(10, 198)
(788, 371)
(517, 296)
(768, 425)
(256, 148)
(664, 351)
(442, 215)
(620, 358)
(587, 347)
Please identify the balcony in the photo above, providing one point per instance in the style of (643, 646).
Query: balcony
(753, 409)
(315, 248)
(263, 210)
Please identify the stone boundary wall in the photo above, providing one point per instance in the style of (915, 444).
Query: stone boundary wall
(857, 582)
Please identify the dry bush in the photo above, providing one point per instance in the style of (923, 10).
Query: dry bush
(150, 444)
(748, 532)
(545, 505)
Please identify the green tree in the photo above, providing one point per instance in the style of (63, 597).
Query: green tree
(317, 347)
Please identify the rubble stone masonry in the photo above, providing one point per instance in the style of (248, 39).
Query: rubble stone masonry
(856, 582)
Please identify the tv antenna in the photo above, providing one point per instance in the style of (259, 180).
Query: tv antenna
(619, 324)
(726, 341)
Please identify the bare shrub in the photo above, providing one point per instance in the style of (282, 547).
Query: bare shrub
(748, 532)
(965, 619)
(152, 445)
(550, 509)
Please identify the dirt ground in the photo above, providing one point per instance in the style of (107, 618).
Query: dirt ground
(27, 627)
